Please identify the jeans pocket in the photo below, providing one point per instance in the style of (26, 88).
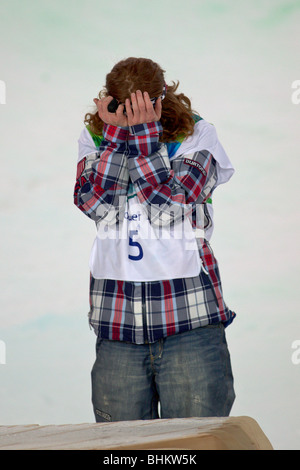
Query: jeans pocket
(101, 416)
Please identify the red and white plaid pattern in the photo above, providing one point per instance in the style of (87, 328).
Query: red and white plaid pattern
(146, 311)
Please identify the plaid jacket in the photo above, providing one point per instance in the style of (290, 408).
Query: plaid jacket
(140, 312)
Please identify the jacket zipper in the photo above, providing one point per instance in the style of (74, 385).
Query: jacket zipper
(144, 312)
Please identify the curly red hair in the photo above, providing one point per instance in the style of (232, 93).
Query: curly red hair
(132, 74)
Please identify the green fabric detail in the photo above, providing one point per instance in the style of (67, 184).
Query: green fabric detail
(97, 138)
(131, 191)
(197, 117)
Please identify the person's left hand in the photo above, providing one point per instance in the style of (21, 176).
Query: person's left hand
(116, 119)
(141, 110)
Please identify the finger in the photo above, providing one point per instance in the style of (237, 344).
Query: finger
(158, 108)
(142, 116)
(128, 109)
(98, 104)
(140, 101)
(135, 106)
(148, 104)
(120, 110)
(121, 118)
(102, 108)
(106, 101)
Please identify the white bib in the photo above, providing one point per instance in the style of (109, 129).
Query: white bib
(138, 251)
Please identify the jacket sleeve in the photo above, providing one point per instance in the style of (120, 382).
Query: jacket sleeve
(102, 176)
(169, 190)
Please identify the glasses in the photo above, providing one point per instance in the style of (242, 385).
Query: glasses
(113, 105)
(162, 96)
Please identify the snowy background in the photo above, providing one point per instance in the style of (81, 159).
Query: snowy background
(237, 60)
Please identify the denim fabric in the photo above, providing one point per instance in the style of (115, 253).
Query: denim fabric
(184, 375)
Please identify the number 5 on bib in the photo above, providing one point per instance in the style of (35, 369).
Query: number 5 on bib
(135, 244)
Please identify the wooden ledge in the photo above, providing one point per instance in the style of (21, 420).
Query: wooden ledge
(230, 433)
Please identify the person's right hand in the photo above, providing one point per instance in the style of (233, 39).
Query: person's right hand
(141, 110)
(118, 118)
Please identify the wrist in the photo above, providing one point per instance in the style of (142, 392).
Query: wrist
(152, 129)
(143, 139)
(116, 134)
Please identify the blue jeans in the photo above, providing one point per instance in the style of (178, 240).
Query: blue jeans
(185, 375)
